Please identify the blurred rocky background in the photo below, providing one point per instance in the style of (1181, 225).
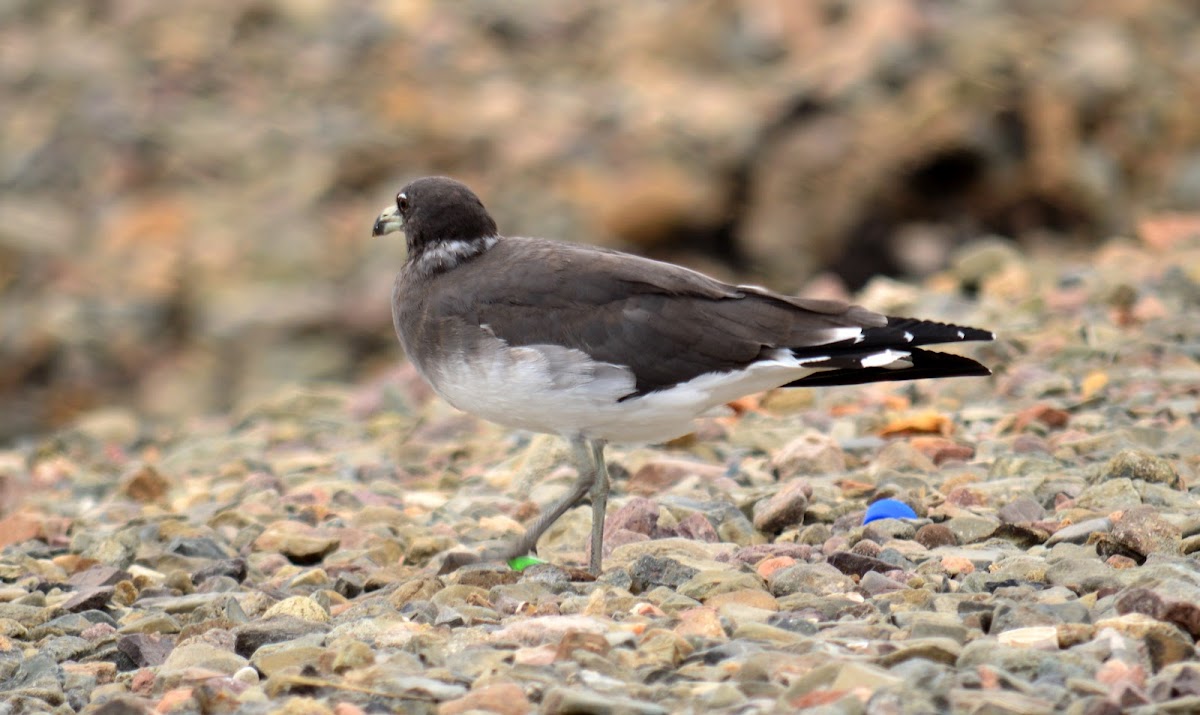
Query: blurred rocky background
(188, 187)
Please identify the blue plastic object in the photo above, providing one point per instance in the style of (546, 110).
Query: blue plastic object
(889, 509)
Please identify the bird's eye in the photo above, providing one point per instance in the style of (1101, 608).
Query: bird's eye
(402, 202)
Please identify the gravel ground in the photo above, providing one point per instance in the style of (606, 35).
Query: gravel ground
(285, 557)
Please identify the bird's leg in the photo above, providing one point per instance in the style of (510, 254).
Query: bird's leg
(586, 480)
(599, 506)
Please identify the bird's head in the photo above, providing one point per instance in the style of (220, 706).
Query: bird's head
(435, 210)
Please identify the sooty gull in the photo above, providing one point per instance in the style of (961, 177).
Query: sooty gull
(600, 346)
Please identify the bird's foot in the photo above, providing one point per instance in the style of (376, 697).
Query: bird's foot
(517, 562)
(456, 560)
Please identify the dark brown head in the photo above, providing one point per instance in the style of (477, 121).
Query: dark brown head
(434, 212)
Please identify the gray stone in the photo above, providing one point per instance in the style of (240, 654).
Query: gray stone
(639, 515)
(1136, 464)
(425, 688)
(818, 578)
(254, 635)
(64, 648)
(1080, 532)
(200, 547)
(89, 599)
(931, 536)
(797, 622)
(1175, 680)
(1006, 702)
(146, 649)
(577, 701)
(980, 557)
(97, 576)
(235, 569)
(150, 622)
(1026, 663)
(810, 454)
(936, 626)
(784, 509)
(883, 530)
(901, 456)
(182, 604)
(1021, 510)
(1013, 615)
(39, 678)
(12, 629)
(1109, 496)
(28, 616)
(71, 624)
(709, 583)
(767, 633)
(971, 529)
(649, 572)
(116, 550)
(1082, 575)
(297, 654)
(1171, 601)
(853, 564)
(1143, 531)
(200, 655)
(1165, 642)
(751, 555)
(120, 706)
(874, 583)
(938, 650)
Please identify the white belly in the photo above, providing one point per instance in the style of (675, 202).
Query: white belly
(557, 390)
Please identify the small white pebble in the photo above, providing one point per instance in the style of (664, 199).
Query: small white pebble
(247, 675)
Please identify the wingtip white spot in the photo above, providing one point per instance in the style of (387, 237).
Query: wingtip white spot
(961, 335)
(883, 358)
(908, 337)
(837, 335)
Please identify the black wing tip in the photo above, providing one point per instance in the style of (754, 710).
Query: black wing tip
(926, 364)
(978, 371)
(926, 332)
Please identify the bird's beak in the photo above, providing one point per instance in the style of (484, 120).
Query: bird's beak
(389, 220)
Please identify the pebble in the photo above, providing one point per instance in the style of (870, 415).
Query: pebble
(819, 579)
(499, 698)
(1080, 532)
(251, 636)
(709, 583)
(785, 508)
(1143, 531)
(1136, 464)
(145, 649)
(201, 656)
(301, 607)
(299, 542)
(972, 529)
(561, 701)
(931, 536)
(810, 454)
(1165, 642)
(295, 655)
(1039, 637)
